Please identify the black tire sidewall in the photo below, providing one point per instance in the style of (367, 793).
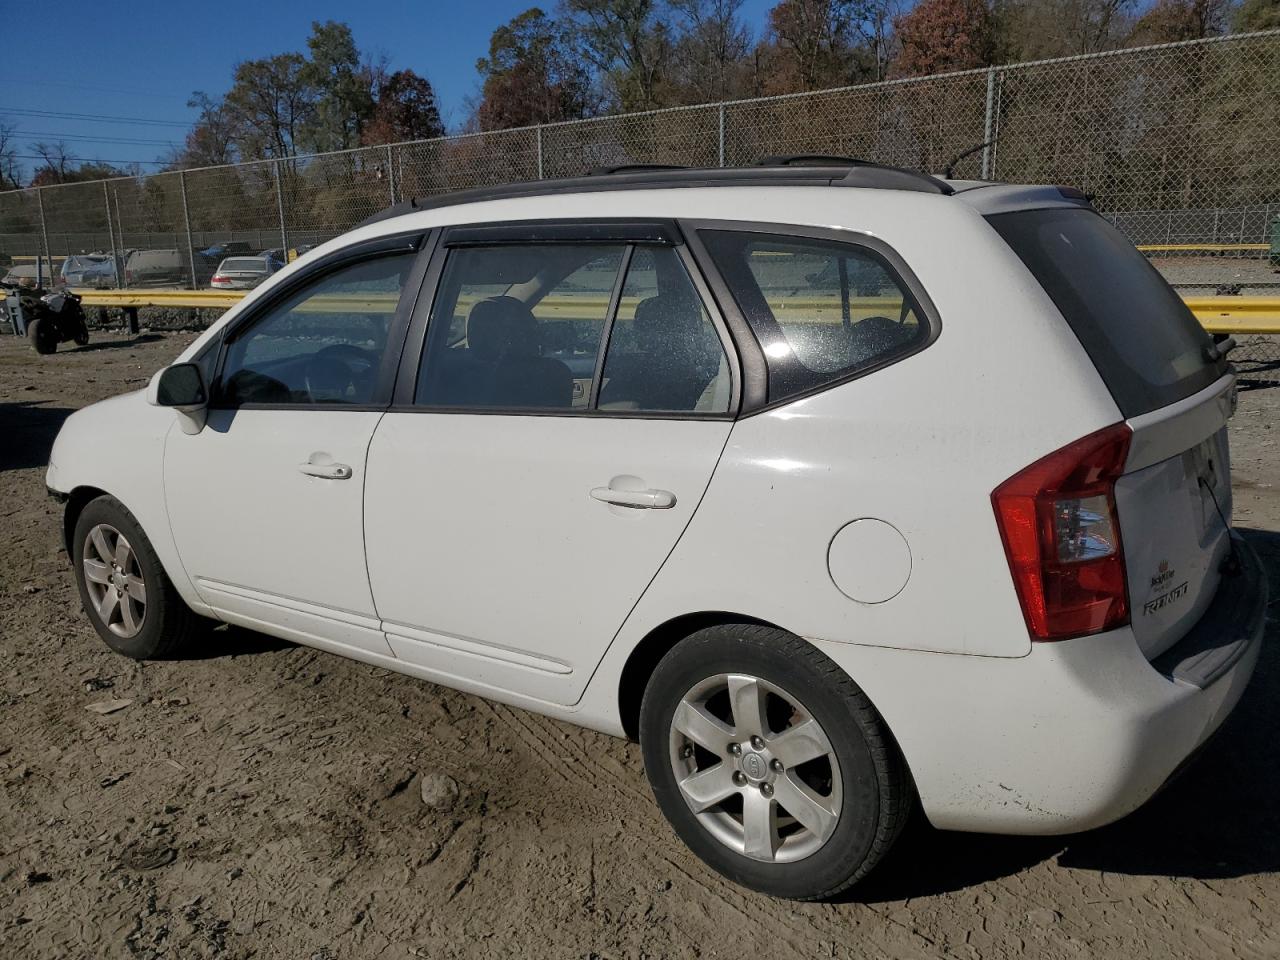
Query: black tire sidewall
(42, 336)
(148, 641)
(717, 650)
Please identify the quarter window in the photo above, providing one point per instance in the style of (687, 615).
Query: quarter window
(822, 309)
(325, 344)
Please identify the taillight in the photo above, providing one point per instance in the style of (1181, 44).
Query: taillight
(1062, 537)
(218, 278)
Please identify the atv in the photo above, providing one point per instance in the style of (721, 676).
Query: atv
(48, 319)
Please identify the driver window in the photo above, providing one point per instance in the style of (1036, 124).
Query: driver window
(323, 345)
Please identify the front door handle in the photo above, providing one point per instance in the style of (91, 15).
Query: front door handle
(640, 499)
(326, 471)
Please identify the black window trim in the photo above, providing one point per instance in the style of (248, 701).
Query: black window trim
(755, 389)
(583, 230)
(420, 242)
(566, 231)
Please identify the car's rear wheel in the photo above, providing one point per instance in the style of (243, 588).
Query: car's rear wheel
(770, 763)
(129, 599)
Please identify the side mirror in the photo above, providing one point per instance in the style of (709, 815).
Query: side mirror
(182, 387)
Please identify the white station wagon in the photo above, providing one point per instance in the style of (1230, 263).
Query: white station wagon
(838, 486)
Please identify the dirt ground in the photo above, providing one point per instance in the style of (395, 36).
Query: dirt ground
(265, 800)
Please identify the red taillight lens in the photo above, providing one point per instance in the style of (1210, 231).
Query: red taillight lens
(1062, 537)
(218, 278)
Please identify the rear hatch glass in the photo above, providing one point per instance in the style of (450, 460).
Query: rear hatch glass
(1147, 346)
(247, 265)
(1151, 353)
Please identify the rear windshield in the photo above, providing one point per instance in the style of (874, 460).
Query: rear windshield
(251, 264)
(1147, 346)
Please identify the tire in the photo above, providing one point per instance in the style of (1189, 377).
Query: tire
(43, 336)
(81, 337)
(859, 792)
(146, 621)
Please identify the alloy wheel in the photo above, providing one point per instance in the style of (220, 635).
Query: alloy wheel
(114, 580)
(755, 767)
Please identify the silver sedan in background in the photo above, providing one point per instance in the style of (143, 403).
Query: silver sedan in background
(243, 273)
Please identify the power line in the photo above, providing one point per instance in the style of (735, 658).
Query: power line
(94, 87)
(36, 156)
(88, 138)
(94, 118)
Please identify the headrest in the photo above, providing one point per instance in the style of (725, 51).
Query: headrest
(501, 326)
(669, 310)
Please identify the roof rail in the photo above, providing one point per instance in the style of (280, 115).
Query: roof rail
(832, 172)
(634, 168)
(808, 160)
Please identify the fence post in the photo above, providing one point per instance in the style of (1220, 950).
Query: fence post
(720, 124)
(391, 175)
(44, 234)
(116, 261)
(989, 123)
(115, 200)
(284, 232)
(186, 219)
(538, 131)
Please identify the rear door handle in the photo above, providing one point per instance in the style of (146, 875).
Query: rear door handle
(641, 499)
(326, 471)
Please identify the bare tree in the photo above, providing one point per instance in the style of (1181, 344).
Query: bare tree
(9, 168)
(57, 161)
(712, 50)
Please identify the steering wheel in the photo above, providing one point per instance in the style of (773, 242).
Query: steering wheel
(339, 373)
(348, 351)
(327, 380)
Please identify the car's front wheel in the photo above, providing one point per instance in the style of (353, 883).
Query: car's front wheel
(770, 763)
(124, 590)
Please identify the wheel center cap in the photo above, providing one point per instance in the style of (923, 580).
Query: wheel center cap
(755, 766)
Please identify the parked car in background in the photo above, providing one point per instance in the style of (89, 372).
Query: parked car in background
(230, 248)
(243, 273)
(88, 270)
(156, 268)
(23, 275)
(884, 515)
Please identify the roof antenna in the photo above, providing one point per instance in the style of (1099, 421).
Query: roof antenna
(951, 167)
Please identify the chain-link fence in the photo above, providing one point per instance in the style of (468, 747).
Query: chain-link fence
(1179, 144)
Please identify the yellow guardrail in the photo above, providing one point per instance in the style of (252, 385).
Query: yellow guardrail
(1237, 314)
(1210, 247)
(1216, 314)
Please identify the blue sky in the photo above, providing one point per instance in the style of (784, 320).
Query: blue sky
(144, 58)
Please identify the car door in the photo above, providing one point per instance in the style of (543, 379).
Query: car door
(546, 452)
(266, 501)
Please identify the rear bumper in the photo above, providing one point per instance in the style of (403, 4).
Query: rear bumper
(1076, 734)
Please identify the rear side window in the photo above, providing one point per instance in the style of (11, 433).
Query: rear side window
(664, 354)
(519, 327)
(559, 326)
(822, 310)
(1147, 346)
